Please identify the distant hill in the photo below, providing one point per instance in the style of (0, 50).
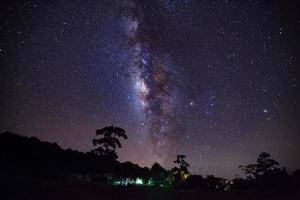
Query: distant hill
(29, 156)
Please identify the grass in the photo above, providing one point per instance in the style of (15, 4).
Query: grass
(62, 190)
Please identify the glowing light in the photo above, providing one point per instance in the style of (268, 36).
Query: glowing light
(129, 181)
(192, 103)
(185, 176)
(139, 181)
(150, 182)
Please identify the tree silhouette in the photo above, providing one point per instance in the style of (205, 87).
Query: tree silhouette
(158, 174)
(264, 164)
(108, 142)
(181, 172)
(181, 162)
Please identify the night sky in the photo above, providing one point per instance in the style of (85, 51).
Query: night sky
(217, 81)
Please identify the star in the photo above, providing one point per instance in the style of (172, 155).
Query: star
(192, 103)
(156, 69)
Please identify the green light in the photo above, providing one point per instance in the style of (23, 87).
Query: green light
(150, 182)
(139, 181)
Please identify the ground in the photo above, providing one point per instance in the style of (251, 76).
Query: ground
(60, 190)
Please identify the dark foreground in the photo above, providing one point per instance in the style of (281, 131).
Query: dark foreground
(58, 190)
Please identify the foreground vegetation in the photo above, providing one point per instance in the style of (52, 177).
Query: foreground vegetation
(32, 169)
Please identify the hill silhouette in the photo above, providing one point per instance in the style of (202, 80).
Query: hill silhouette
(27, 163)
(22, 156)
(29, 156)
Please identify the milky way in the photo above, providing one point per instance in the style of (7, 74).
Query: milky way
(215, 80)
(152, 78)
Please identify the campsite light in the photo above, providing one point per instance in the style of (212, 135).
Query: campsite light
(139, 181)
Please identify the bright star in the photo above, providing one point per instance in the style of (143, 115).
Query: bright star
(192, 103)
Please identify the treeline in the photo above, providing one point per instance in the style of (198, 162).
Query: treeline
(28, 157)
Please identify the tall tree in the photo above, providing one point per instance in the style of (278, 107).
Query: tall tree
(181, 171)
(264, 164)
(183, 165)
(108, 141)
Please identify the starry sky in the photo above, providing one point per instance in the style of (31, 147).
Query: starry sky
(217, 81)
